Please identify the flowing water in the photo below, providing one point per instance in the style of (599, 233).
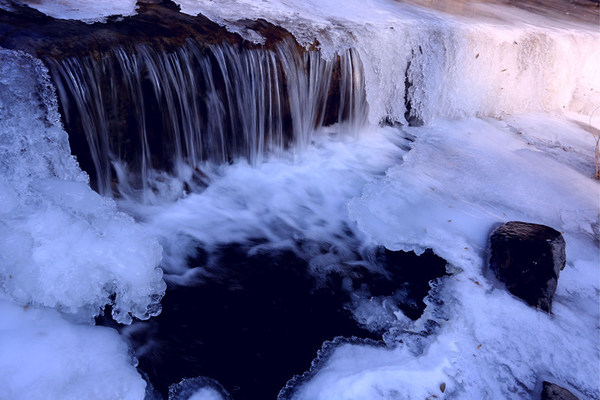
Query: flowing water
(146, 109)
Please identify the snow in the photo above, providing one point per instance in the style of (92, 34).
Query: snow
(478, 172)
(355, 372)
(459, 181)
(44, 356)
(85, 10)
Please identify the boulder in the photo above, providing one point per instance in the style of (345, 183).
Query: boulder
(552, 391)
(528, 259)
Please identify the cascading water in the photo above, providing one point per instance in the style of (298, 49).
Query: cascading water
(145, 110)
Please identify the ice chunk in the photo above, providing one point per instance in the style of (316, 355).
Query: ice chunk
(62, 245)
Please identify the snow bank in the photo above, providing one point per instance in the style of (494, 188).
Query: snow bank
(46, 357)
(461, 177)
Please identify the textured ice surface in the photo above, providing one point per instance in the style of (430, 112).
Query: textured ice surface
(63, 245)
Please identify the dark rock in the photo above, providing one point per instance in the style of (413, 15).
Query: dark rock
(528, 258)
(552, 391)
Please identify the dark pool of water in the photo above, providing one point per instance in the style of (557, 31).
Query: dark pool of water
(253, 322)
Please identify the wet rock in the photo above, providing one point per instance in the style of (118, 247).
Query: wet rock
(528, 258)
(552, 391)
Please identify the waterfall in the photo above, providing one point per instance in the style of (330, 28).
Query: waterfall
(146, 110)
(271, 161)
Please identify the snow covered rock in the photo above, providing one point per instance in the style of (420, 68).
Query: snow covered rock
(528, 258)
(552, 391)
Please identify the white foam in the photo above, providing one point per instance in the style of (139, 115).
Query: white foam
(285, 200)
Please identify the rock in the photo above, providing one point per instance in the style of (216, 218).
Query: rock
(555, 392)
(528, 258)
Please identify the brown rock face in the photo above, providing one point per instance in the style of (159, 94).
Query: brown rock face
(528, 258)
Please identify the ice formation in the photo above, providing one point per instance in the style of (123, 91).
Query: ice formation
(64, 247)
